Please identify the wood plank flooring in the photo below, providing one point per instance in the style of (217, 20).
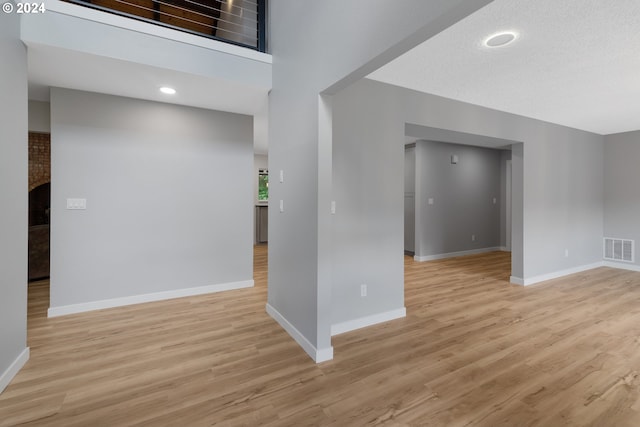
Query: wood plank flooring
(472, 351)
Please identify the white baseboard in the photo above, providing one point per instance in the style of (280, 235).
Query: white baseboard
(554, 275)
(137, 299)
(456, 254)
(12, 370)
(318, 355)
(621, 265)
(362, 322)
(517, 280)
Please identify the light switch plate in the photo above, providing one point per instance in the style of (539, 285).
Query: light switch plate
(281, 175)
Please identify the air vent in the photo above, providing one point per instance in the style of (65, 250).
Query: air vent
(618, 249)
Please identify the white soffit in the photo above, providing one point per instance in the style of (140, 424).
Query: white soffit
(575, 62)
(125, 57)
(54, 67)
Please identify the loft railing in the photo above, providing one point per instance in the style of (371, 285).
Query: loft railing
(240, 22)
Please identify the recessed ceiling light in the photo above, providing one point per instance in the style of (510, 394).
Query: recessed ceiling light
(168, 90)
(500, 39)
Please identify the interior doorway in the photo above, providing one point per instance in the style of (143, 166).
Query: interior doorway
(508, 186)
(459, 195)
(39, 204)
(410, 199)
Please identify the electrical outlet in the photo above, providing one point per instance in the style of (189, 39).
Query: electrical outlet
(566, 253)
(363, 290)
(473, 237)
(75, 204)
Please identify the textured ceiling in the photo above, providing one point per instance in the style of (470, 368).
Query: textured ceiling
(575, 62)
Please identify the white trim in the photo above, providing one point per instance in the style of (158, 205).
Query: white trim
(561, 273)
(363, 322)
(516, 280)
(318, 355)
(456, 254)
(138, 299)
(13, 369)
(324, 354)
(622, 266)
(154, 30)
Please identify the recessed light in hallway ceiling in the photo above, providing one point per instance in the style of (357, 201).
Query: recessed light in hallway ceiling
(168, 90)
(501, 39)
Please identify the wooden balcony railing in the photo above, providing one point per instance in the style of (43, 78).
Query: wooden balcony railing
(240, 22)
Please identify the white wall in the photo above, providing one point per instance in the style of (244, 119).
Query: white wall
(621, 189)
(168, 192)
(39, 116)
(13, 193)
(310, 58)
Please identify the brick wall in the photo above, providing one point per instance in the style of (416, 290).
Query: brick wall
(39, 159)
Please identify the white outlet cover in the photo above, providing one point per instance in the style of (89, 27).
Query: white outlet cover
(76, 204)
(363, 290)
(430, 200)
(281, 175)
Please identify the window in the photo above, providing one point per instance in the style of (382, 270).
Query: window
(263, 185)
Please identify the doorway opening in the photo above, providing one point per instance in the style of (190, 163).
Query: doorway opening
(39, 204)
(457, 196)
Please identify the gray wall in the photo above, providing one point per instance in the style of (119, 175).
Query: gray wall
(169, 197)
(463, 198)
(558, 190)
(39, 116)
(13, 189)
(310, 57)
(621, 189)
(505, 156)
(368, 228)
(410, 198)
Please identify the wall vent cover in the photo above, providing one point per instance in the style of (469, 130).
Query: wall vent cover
(618, 249)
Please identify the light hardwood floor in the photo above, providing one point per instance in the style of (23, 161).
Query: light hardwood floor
(473, 350)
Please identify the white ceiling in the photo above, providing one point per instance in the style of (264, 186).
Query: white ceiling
(575, 62)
